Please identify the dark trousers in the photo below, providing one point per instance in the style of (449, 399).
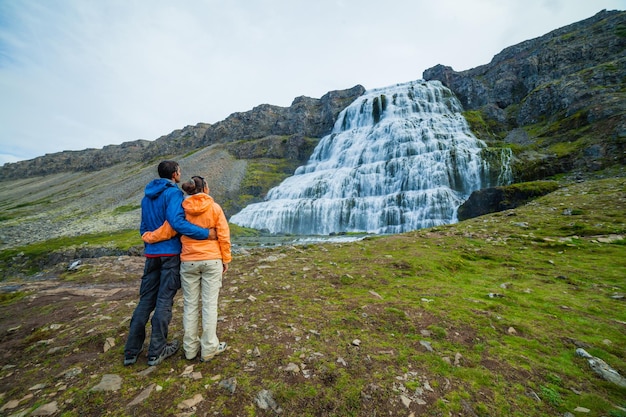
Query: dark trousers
(159, 284)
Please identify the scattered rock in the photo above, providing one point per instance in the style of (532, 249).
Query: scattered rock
(75, 265)
(602, 368)
(11, 404)
(375, 294)
(108, 344)
(72, 373)
(191, 402)
(46, 409)
(142, 396)
(427, 345)
(457, 359)
(229, 384)
(264, 400)
(109, 382)
(292, 367)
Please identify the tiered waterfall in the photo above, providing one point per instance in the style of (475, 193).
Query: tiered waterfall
(399, 158)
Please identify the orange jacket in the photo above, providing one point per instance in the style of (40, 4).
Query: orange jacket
(200, 209)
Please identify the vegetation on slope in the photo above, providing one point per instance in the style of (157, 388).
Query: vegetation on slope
(480, 318)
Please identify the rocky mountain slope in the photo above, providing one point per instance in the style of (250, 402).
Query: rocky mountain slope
(306, 117)
(559, 100)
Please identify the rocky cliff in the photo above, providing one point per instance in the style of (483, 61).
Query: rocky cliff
(306, 117)
(559, 100)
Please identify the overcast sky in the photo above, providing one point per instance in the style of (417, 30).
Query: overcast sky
(77, 74)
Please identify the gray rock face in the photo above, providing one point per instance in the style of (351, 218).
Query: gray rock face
(306, 117)
(569, 81)
(557, 72)
(495, 199)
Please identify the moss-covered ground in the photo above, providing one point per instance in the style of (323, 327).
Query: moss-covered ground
(479, 318)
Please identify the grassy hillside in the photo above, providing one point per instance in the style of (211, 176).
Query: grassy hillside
(480, 318)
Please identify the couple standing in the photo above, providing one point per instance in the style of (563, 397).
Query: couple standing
(204, 250)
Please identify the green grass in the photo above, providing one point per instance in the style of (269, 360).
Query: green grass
(126, 208)
(509, 354)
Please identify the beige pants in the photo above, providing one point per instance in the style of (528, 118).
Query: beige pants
(200, 278)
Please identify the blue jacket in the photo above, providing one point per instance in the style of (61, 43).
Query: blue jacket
(163, 201)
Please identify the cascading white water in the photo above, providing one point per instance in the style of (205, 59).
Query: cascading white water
(399, 158)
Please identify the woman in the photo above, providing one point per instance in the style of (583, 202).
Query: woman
(203, 262)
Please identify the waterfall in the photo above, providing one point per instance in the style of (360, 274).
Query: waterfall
(399, 158)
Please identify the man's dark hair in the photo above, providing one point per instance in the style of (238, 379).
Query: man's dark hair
(167, 169)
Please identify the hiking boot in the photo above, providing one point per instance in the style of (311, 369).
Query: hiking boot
(220, 348)
(130, 359)
(167, 351)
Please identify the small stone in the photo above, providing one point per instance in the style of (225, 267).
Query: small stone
(375, 294)
(142, 396)
(46, 409)
(191, 402)
(427, 345)
(457, 359)
(147, 371)
(108, 344)
(187, 372)
(356, 342)
(72, 373)
(229, 384)
(582, 410)
(264, 400)
(54, 350)
(292, 367)
(511, 331)
(109, 382)
(10, 405)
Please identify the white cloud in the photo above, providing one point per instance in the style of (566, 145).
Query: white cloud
(76, 74)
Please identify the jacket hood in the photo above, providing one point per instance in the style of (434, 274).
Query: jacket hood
(156, 187)
(197, 203)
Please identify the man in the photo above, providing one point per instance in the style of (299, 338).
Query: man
(161, 277)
